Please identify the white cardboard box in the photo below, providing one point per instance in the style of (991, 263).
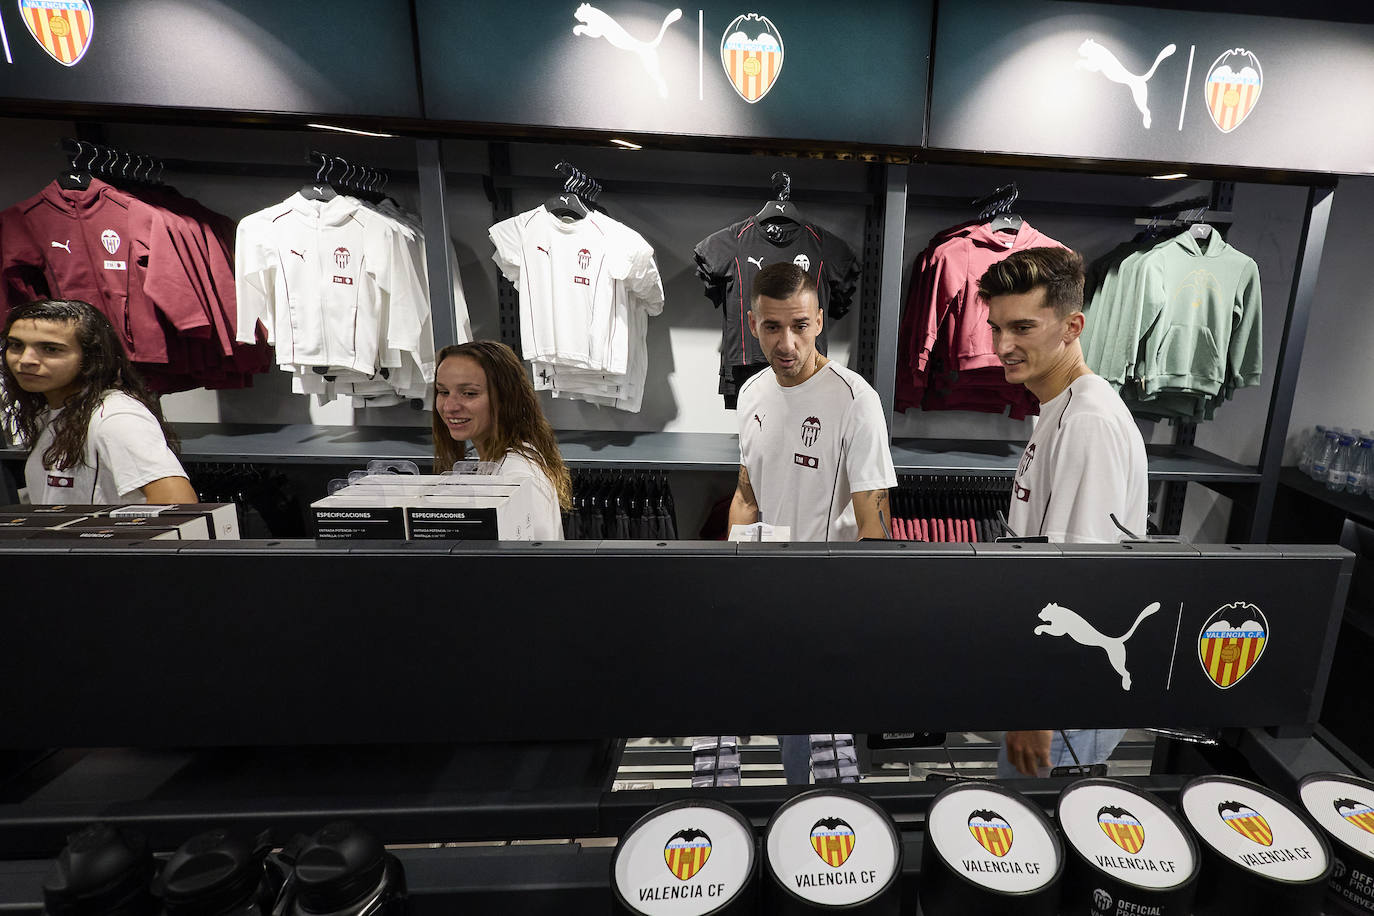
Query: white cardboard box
(468, 508)
(221, 519)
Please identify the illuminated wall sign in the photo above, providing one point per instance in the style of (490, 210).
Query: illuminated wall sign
(240, 55)
(798, 70)
(1102, 81)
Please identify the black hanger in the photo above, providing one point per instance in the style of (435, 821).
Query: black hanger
(320, 189)
(566, 204)
(996, 209)
(779, 213)
(74, 177)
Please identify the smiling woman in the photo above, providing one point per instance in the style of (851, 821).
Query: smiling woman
(95, 433)
(483, 396)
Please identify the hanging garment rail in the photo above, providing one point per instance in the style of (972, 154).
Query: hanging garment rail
(354, 178)
(112, 162)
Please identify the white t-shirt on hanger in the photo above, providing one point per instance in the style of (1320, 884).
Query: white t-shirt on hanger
(578, 282)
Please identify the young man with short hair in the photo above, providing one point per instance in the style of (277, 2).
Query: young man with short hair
(813, 440)
(1085, 461)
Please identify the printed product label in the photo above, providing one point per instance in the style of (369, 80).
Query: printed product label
(476, 524)
(684, 862)
(116, 265)
(994, 840)
(832, 850)
(1126, 835)
(1254, 830)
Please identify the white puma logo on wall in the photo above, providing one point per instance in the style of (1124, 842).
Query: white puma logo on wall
(1060, 621)
(1099, 60)
(596, 24)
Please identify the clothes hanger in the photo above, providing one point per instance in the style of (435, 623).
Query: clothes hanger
(320, 188)
(567, 204)
(779, 214)
(1200, 230)
(996, 209)
(74, 178)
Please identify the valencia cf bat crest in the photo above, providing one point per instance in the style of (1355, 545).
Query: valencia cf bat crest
(992, 831)
(61, 27)
(1246, 821)
(751, 53)
(686, 852)
(1123, 828)
(1232, 642)
(1356, 812)
(1233, 87)
(833, 839)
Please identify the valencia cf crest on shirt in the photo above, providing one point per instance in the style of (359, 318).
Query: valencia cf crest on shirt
(810, 429)
(751, 53)
(62, 28)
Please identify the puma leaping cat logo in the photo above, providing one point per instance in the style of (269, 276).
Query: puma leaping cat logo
(757, 262)
(1060, 621)
(596, 24)
(1099, 60)
(67, 245)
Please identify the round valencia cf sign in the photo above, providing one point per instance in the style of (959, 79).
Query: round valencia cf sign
(831, 848)
(1261, 853)
(988, 849)
(690, 858)
(1343, 806)
(1126, 852)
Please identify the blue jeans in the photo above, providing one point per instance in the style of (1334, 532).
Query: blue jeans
(1092, 745)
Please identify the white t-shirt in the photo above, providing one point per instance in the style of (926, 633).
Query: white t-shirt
(547, 515)
(334, 283)
(579, 282)
(810, 447)
(125, 450)
(1084, 462)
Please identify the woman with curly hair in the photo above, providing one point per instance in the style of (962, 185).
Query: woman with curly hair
(483, 396)
(95, 434)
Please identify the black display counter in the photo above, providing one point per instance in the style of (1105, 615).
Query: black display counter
(476, 692)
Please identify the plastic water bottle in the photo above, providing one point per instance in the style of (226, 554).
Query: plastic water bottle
(1312, 448)
(1322, 458)
(1358, 477)
(1340, 463)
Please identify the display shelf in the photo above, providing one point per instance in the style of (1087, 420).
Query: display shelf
(1000, 457)
(1360, 508)
(591, 449)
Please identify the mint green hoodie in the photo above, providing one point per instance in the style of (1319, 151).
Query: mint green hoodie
(1201, 314)
(1188, 322)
